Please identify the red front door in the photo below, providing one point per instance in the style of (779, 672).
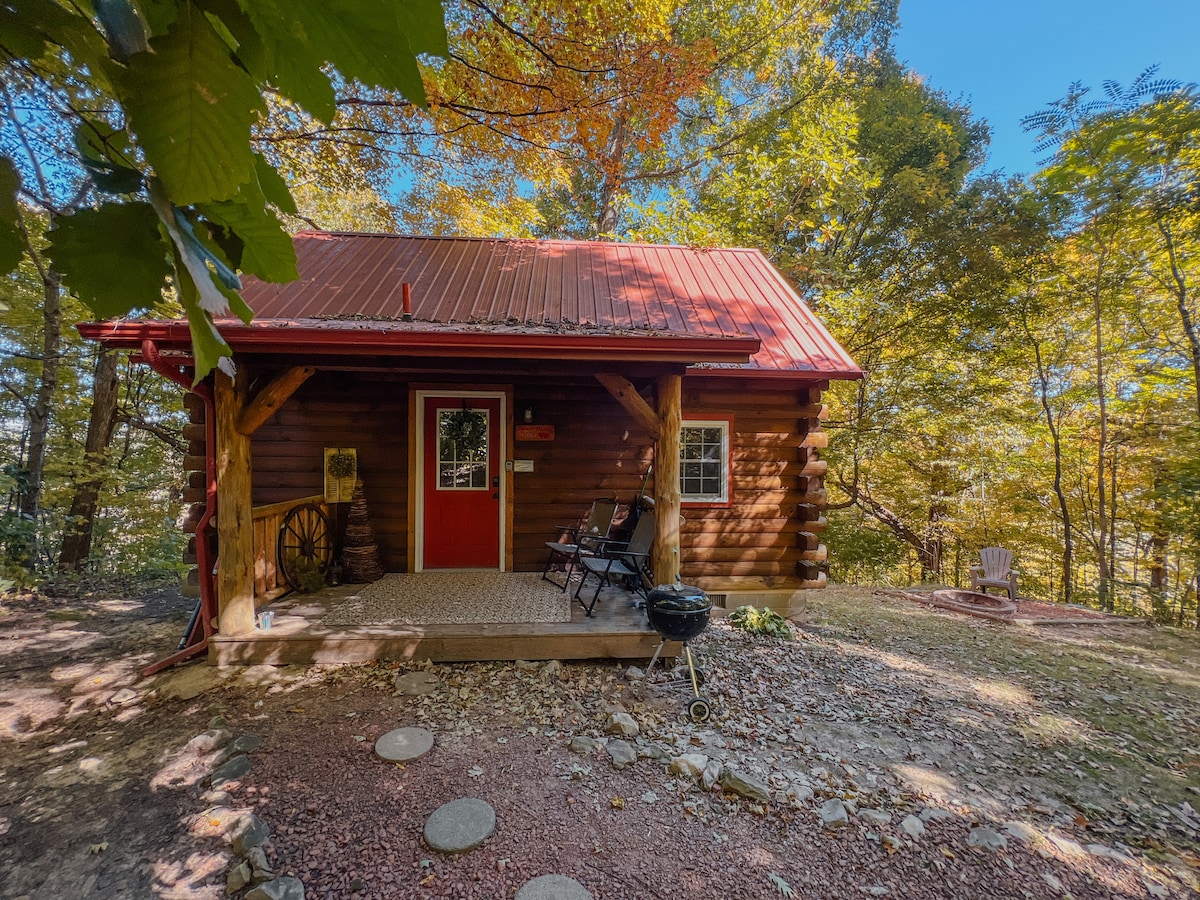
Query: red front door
(462, 483)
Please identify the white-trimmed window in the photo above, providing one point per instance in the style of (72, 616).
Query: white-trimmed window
(704, 461)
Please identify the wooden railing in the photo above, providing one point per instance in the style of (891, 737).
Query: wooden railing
(267, 520)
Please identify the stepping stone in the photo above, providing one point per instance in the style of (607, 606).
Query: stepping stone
(404, 744)
(460, 825)
(553, 887)
(416, 683)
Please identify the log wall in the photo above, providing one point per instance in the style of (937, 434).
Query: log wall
(768, 538)
(194, 491)
(339, 409)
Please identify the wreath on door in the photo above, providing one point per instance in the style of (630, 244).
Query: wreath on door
(466, 428)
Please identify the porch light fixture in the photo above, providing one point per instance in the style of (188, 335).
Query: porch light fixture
(528, 414)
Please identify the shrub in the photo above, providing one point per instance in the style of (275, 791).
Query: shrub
(760, 621)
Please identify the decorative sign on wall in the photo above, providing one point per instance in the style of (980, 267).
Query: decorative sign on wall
(535, 432)
(341, 470)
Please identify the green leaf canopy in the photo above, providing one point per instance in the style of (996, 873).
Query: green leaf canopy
(132, 268)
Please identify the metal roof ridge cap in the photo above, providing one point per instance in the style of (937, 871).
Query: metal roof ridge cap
(503, 240)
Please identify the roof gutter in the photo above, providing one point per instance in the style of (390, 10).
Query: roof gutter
(780, 374)
(400, 341)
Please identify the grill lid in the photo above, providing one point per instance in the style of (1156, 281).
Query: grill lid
(684, 598)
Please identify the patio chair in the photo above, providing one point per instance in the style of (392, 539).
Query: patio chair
(577, 541)
(629, 560)
(995, 570)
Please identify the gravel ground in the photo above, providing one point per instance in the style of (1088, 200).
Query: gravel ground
(827, 716)
(1077, 746)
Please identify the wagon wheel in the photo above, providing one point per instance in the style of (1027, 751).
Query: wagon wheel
(305, 546)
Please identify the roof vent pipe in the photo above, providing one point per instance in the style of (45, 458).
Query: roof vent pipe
(406, 289)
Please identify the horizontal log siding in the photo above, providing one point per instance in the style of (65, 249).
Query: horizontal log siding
(599, 450)
(339, 409)
(778, 489)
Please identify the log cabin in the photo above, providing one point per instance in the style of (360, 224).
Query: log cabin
(597, 369)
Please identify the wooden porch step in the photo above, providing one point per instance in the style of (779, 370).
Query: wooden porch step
(299, 637)
(433, 642)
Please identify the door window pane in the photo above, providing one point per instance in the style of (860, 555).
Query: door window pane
(462, 450)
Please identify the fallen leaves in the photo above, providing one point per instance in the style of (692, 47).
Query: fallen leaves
(780, 885)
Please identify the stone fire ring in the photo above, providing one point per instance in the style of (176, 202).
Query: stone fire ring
(974, 602)
(404, 744)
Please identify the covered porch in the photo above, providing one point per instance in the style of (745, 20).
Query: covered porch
(360, 623)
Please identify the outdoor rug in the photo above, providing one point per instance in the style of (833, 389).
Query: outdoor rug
(453, 598)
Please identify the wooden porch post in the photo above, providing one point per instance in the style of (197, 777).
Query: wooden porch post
(235, 531)
(666, 479)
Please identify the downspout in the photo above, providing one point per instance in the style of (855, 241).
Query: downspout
(198, 634)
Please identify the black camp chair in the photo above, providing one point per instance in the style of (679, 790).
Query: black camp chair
(577, 542)
(628, 560)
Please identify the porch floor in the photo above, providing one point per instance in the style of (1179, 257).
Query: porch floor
(298, 636)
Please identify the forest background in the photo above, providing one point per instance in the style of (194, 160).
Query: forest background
(1031, 345)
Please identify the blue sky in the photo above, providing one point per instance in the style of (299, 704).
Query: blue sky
(1008, 58)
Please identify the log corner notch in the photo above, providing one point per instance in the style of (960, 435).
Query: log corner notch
(814, 557)
(267, 401)
(663, 424)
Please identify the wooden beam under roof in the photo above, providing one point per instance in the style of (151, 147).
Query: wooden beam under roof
(626, 394)
(267, 401)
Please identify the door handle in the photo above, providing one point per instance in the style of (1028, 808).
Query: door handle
(495, 496)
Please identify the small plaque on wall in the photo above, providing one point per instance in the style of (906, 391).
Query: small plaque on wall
(341, 470)
(535, 432)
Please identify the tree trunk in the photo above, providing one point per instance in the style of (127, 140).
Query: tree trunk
(1113, 470)
(935, 541)
(607, 214)
(1102, 585)
(1064, 511)
(30, 497)
(77, 536)
(1190, 329)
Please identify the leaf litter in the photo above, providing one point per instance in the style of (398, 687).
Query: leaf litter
(1071, 748)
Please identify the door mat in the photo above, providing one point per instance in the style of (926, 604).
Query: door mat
(453, 598)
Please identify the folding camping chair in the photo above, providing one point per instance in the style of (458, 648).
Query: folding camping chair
(629, 560)
(575, 542)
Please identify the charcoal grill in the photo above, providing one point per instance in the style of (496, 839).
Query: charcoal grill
(680, 612)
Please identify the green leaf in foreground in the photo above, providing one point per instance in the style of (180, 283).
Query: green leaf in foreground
(192, 107)
(269, 252)
(362, 39)
(114, 257)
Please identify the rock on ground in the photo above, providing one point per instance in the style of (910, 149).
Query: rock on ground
(460, 825)
(286, 888)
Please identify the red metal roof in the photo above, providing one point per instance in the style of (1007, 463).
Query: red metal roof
(591, 290)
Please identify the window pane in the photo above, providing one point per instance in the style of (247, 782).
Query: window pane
(704, 462)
